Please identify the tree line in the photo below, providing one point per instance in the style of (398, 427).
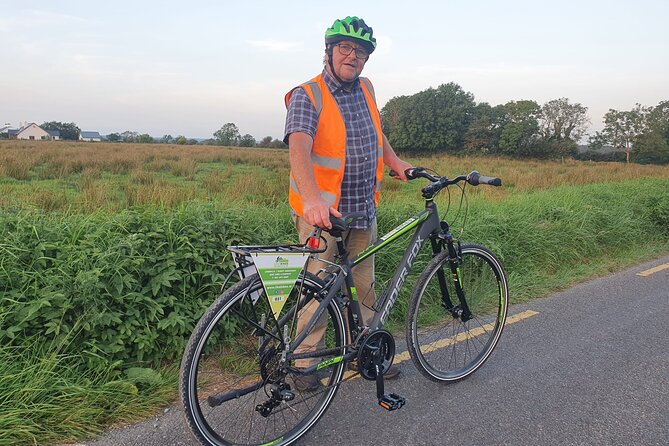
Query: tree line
(228, 135)
(447, 119)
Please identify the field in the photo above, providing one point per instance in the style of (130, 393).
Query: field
(86, 177)
(110, 252)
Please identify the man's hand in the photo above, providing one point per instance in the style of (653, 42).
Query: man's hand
(317, 213)
(400, 167)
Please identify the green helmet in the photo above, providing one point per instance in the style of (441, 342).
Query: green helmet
(351, 28)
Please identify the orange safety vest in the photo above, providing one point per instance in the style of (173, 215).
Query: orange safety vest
(328, 154)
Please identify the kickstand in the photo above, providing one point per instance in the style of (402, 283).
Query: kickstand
(389, 402)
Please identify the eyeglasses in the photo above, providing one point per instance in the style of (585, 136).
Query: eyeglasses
(345, 49)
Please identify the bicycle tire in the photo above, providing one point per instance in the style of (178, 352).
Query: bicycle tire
(442, 347)
(225, 354)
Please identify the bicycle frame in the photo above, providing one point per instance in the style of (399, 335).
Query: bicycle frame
(426, 225)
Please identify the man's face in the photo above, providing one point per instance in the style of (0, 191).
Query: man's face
(347, 67)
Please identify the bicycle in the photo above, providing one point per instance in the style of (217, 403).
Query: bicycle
(238, 366)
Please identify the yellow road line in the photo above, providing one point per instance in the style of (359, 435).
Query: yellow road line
(404, 356)
(657, 269)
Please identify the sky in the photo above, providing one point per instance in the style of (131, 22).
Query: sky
(187, 68)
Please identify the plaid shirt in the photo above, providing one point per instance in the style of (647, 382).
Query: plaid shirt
(357, 188)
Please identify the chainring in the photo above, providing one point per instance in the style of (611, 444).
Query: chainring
(378, 343)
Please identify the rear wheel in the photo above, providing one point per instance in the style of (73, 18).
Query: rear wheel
(445, 345)
(233, 386)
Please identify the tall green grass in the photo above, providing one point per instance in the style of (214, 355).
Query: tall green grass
(47, 397)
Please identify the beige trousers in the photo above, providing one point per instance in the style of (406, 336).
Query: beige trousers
(355, 240)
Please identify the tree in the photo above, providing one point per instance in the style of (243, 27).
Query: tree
(520, 133)
(433, 120)
(651, 145)
(265, 142)
(485, 130)
(247, 141)
(113, 137)
(651, 148)
(228, 135)
(562, 125)
(145, 138)
(181, 140)
(561, 120)
(167, 139)
(129, 136)
(658, 119)
(67, 130)
(391, 115)
(278, 144)
(622, 127)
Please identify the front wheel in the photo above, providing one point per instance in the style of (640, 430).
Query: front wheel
(234, 385)
(445, 343)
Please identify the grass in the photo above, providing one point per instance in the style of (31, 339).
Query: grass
(47, 397)
(80, 177)
(552, 224)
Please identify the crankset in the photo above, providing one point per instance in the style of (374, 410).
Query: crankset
(375, 357)
(378, 344)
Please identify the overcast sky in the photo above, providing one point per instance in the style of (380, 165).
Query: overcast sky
(187, 68)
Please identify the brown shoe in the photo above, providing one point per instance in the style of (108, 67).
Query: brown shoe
(307, 383)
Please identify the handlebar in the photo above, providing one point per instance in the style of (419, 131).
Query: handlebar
(438, 183)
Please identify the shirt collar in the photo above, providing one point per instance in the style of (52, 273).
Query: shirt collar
(335, 86)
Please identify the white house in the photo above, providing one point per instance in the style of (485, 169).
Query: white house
(34, 132)
(90, 136)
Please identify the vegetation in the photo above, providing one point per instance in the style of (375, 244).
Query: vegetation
(110, 252)
(68, 131)
(446, 119)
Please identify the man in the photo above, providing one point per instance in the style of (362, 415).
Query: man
(337, 152)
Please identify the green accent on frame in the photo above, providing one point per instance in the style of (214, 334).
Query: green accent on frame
(393, 235)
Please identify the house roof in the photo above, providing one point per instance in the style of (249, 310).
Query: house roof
(85, 134)
(27, 126)
(53, 132)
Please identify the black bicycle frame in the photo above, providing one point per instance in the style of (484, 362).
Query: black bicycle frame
(427, 226)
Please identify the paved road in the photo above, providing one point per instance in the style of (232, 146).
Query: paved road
(591, 367)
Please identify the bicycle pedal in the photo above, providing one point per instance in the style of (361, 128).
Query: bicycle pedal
(392, 401)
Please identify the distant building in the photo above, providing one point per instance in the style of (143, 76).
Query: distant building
(33, 132)
(90, 136)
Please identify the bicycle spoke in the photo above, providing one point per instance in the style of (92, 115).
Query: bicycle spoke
(227, 355)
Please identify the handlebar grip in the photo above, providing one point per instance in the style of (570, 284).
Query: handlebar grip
(409, 173)
(490, 180)
(476, 178)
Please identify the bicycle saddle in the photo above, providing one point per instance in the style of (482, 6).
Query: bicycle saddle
(343, 223)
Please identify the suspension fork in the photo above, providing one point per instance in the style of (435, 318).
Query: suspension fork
(446, 238)
(441, 277)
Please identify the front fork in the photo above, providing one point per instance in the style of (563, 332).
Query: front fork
(454, 260)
